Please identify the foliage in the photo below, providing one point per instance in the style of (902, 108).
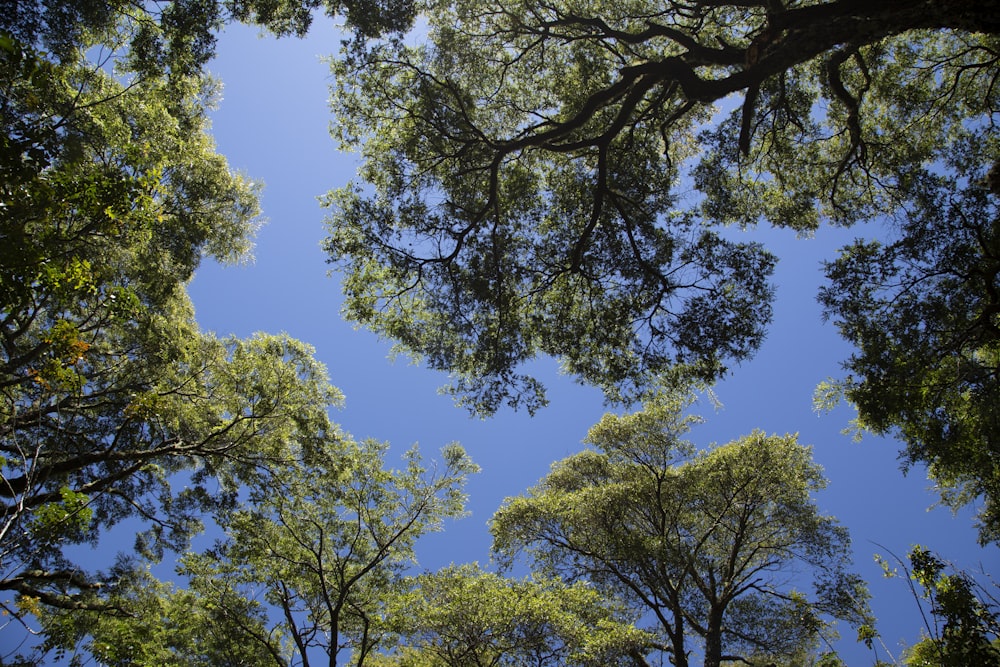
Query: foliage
(704, 544)
(313, 555)
(964, 628)
(160, 442)
(111, 193)
(543, 178)
(148, 622)
(323, 540)
(462, 616)
(923, 312)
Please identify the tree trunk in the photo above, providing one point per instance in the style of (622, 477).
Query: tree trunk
(713, 637)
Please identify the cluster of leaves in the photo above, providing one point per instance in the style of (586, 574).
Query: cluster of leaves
(462, 616)
(964, 626)
(312, 558)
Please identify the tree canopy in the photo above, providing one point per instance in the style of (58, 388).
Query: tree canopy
(111, 193)
(715, 548)
(923, 310)
(325, 542)
(546, 177)
(312, 558)
(550, 178)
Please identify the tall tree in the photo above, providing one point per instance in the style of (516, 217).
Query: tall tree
(324, 540)
(111, 193)
(543, 176)
(711, 546)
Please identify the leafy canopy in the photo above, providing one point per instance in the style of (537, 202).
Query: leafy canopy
(548, 178)
(325, 539)
(312, 557)
(923, 310)
(111, 193)
(710, 546)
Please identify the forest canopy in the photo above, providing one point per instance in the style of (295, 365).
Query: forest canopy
(580, 180)
(573, 179)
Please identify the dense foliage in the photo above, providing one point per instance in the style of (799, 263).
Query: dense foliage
(923, 310)
(552, 178)
(462, 616)
(313, 556)
(543, 179)
(113, 405)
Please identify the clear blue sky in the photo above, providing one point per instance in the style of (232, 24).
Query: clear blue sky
(273, 125)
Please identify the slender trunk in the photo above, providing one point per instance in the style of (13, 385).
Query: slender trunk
(334, 640)
(680, 658)
(673, 625)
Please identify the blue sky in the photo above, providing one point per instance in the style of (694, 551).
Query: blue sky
(273, 124)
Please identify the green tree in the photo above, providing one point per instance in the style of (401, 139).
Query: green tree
(149, 622)
(923, 310)
(163, 440)
(462, 616)
(111, 193)
(324, 540)
(704, 544)
(314, 551)
(543, 177)
(964, 624)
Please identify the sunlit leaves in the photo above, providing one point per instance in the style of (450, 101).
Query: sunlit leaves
(523, 206)
(703, 540)
(69, 517)
(531, 170)
(962, 623)
(324, 539)
(463, 616)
